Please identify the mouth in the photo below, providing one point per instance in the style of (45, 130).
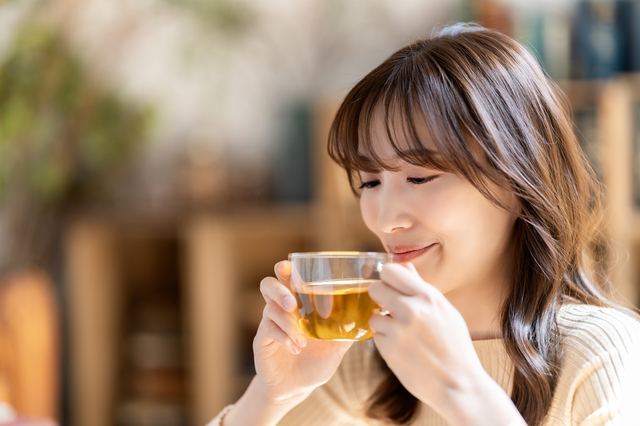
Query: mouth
(403, 254)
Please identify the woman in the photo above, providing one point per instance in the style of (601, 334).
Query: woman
(468, 170)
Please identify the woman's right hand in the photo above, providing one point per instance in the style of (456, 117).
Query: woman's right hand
(288, 364)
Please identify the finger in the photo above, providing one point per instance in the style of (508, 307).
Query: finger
(381, 324)
(289, 275)
(274, 290)
(269, 332)
(403, 280)
(387, 298)
(283, 271)
(286, 323)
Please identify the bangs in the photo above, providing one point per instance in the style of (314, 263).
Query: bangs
(400, 123)
(420, 109)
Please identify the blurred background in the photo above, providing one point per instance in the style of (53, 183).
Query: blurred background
(158, 157)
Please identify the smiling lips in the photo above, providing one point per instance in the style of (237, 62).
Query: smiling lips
(403, 254)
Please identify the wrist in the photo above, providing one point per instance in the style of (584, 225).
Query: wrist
(257, 407)
(268, 399)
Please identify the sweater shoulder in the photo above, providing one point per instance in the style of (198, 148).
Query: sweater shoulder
(589, 331)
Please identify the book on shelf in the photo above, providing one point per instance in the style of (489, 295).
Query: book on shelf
(606, 38)
(628, 21)
(597, 40)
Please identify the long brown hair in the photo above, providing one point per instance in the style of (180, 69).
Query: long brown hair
(479, 91)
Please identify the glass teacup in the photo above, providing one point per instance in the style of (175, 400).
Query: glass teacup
(331, 289)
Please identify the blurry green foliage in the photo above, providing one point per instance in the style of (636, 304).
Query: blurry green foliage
(60, 132)
(226, 16)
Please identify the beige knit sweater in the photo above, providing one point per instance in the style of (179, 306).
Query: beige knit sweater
(599, 382)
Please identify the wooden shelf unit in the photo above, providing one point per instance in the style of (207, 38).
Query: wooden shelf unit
(223, 256)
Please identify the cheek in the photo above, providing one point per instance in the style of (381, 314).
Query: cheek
(443, 211)
(461, 217)
(369, 211)
(479, 230)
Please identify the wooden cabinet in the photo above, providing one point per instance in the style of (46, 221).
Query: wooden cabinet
(121, 270)
(226, 255)
(222, 257)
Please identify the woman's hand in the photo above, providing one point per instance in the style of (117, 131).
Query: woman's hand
(425, 341)
(288, 365)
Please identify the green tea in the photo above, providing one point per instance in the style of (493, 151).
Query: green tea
(336, 310)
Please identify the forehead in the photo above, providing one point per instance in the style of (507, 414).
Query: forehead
(386, 134)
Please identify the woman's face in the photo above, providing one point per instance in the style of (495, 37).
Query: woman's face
(455, 237)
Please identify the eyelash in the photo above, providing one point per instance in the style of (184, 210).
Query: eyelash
(416, 181)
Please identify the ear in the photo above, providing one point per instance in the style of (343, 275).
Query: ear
(507, 199)
(515, 204)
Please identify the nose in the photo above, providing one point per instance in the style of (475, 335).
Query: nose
(393, 214)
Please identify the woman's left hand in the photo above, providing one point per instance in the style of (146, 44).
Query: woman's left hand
(425, 341)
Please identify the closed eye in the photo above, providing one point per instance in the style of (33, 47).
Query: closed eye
(369, 184)
(420, 181)
(415, 181)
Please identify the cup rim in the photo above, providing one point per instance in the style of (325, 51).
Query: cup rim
(341, 254)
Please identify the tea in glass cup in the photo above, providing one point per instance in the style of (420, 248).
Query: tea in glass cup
(332, 291)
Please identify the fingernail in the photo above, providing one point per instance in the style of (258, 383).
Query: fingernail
(301, 341)
(295, 350)
(289, 303)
